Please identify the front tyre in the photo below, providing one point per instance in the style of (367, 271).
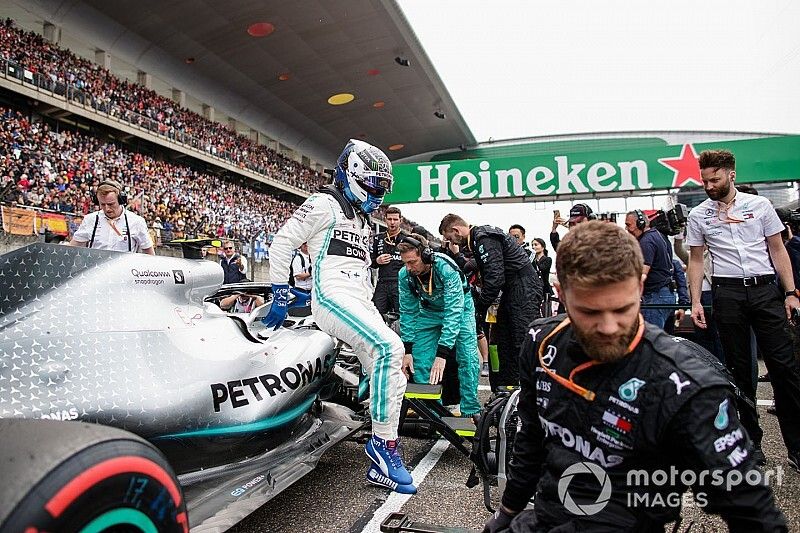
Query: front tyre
(76, 477)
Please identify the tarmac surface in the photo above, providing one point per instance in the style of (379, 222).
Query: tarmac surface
(336, 498)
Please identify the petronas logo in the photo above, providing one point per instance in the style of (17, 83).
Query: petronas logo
(721, 421)
(630, 389)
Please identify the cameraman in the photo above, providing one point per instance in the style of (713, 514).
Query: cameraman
(791, 220)
(233, 264)
(657, 267)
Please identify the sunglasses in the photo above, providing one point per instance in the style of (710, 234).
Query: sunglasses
(228, 248)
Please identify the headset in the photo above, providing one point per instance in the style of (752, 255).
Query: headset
(122, 198)
(425, 252)
(641, 219)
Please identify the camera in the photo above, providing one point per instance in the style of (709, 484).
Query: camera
(671, 222)
(789, 217)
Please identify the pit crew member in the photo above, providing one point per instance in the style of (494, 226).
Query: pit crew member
(113, 227)
(437, 323)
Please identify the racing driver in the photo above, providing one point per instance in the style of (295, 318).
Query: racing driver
(618, 418)
(335, 222)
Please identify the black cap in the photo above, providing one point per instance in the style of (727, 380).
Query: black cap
(579, 211)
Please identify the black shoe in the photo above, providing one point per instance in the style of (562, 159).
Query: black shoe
(794, 460)
(765, 378)
(771, 410)
(758, 455)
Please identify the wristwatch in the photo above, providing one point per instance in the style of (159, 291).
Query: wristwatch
(795, 292)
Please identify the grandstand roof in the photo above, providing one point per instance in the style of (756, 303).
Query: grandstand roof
(325, 46)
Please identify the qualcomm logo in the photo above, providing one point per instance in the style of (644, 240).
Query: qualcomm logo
(587, 509)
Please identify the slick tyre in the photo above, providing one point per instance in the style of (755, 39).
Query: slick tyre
(77, 477)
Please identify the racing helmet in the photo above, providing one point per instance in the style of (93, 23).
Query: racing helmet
(364, 174)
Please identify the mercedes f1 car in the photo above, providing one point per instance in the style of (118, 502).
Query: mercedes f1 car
(128, 398)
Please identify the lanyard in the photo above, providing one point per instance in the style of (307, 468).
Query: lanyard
(113, 226)
(127, 225)
(568, 382)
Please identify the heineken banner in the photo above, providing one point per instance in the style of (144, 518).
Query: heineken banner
(589, 173)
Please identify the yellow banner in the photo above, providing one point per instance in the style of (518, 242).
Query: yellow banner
(18, 220)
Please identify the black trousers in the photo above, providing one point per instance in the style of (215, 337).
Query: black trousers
(520, 304)
(736, 310)
(387, 296)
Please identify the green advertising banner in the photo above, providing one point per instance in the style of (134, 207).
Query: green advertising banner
(589, 173)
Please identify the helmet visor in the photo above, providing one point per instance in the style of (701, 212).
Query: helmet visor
(376, 183)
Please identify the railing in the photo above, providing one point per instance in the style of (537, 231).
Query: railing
(75, 94)
(25, 220)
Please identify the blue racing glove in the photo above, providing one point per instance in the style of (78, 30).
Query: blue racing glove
(278, 309)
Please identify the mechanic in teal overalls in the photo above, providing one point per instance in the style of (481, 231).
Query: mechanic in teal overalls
(437, 320)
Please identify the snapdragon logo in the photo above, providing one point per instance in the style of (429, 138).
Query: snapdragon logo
(589, 508)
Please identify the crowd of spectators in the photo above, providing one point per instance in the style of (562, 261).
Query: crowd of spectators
(59, 170)
(28, 56)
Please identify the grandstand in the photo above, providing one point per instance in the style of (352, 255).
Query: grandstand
(53, 165)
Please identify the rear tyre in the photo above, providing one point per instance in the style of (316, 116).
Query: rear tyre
(87, 478)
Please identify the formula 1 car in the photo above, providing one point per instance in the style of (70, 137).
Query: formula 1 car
(128, 401)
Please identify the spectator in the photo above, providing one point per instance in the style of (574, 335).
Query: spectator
(579, 213)
(59, 70)
(171, 192)
(544, 264)
(518, 233)
(300, 270)
(233, 264)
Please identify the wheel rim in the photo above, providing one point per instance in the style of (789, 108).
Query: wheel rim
(118, 517)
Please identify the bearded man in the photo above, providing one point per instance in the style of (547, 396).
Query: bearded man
(609, 402)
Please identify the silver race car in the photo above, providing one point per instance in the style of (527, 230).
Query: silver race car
(129, 399)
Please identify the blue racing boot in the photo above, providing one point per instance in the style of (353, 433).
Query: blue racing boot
(375, 477)
(386, 457)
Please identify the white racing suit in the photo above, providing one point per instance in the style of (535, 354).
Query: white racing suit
(341, 296)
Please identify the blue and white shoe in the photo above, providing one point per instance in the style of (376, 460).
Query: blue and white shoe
(384, 454)
(375, 477)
